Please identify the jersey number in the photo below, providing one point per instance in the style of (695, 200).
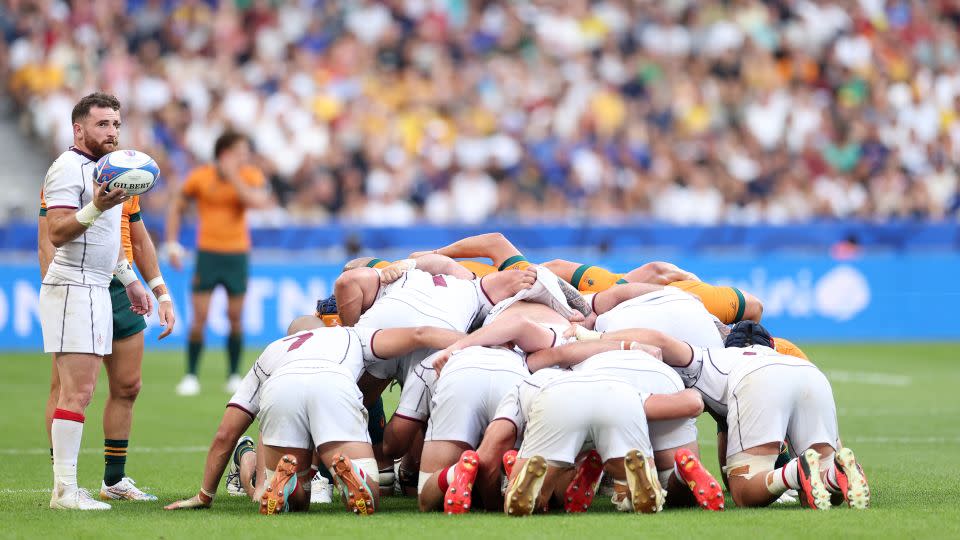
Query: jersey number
(298, 340)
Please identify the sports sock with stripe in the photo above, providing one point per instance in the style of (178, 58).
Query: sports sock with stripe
(66, 432)
(115, 460)
(444, 477)
(829, 468)
(784, 478)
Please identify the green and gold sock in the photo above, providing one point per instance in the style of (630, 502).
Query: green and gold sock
(115, 457)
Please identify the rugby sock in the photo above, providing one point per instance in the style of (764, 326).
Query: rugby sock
(784, 478)
(194, 348)
(51, 455)
(234, 349)
(444, 477)
(66, 432)
(325, 472)
(783, 458)
(245, 449)
(115, 459)
(829, 468)
(376, 421)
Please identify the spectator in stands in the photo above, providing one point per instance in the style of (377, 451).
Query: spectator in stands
(389, 112)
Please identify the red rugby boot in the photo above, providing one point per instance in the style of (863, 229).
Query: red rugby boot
(457, 498)
(583, 487)
(509, 460)
(704, 486)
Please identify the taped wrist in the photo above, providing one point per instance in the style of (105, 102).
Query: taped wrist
(206, 497)
(88, 214)
(124, 272)
(155, 282)
(585, 334)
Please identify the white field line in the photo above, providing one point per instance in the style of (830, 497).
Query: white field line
(134, 450)
(868, 377)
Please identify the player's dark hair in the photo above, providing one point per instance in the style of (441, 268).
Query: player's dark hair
(100, 100)
(747, 333)
(227, 141)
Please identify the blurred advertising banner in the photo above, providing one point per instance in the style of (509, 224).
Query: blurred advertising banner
(806, 298)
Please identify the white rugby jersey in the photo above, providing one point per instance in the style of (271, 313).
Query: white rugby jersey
(335, 349)
(419, 298)
(716, 372)
(671, 311)
(90, 258)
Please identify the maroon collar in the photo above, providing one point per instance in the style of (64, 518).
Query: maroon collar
(82, 153)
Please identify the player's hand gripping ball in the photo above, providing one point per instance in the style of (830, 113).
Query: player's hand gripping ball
(130, 170)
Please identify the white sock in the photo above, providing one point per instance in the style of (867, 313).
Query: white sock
(830, 476)
(450, 475)
(65, 436)
(676, 471)
(784, 478)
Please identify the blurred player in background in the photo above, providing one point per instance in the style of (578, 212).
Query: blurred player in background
(83, 223)
(223, 191)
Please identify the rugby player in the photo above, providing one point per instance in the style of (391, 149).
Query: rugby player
(729, 304)
(324, 347)
(83, 224)
(676, 453)
(123, 365)
(768, 397)
(223, 191)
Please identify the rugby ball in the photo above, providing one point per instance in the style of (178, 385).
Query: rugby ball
(130, 170)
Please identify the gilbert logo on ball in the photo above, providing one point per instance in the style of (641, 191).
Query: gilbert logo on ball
(131, 170)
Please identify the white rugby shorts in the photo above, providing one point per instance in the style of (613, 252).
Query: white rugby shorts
(321, 407)
(565, 415)
(466, 396)
(773, 401)
(75, 318)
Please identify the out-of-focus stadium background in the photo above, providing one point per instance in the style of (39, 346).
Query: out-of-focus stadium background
(805, 150)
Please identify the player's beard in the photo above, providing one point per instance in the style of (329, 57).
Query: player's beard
(98, 149)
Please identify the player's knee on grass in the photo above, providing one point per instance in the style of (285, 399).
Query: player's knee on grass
(747, 477)
(429, 495)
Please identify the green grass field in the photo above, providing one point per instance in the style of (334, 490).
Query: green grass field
(898, 408)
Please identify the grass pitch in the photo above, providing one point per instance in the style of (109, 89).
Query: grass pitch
(898, 408)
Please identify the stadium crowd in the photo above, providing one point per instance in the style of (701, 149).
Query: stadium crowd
(383, 113)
